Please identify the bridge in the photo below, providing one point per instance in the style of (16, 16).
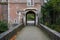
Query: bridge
(30, 30)
(21, 32)
(31, 33)
(26, 29)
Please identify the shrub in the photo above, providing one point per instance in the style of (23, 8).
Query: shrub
(54, 27)
(3, 26)
(57, 28)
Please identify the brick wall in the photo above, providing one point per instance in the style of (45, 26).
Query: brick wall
(3, 12)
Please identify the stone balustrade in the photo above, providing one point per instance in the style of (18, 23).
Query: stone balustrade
(54, 35)
(10, 33)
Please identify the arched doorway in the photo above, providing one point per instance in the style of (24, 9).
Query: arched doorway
(30, 18)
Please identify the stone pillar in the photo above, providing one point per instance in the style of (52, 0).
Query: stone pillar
(36, 19)
(8, 13)
(24, 18)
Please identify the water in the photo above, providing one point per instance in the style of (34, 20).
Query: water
(31, 33)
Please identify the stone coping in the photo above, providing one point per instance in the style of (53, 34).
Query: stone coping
(9, 33)
(52, 33)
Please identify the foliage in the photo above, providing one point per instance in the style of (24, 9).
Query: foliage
(55, 27)
(30, 17)
(51, 14)
(3, 26)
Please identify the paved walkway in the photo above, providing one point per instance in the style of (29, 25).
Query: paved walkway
(31, 33)
(30, 21)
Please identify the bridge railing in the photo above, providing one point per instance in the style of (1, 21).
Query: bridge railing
(10, 33)
(54, 35)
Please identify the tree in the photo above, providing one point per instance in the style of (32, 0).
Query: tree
(51, 10)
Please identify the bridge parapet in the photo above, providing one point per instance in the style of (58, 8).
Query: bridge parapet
(10, 33)
(54, 35)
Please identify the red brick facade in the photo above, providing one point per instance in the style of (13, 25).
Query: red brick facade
(3, 10)
(0, 12)
(20, 5)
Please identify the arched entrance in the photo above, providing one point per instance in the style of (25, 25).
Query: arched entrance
(30, 18)
(28, 11)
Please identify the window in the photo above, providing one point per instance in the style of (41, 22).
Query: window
(15, 21)
(30, 2)
(5, 12)
(46, 1)
(15, 0)
(4, 0)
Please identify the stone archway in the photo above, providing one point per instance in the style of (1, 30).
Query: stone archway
(30, 18)
(35, 11)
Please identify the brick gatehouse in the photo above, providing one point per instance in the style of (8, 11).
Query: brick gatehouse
(15, 10)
